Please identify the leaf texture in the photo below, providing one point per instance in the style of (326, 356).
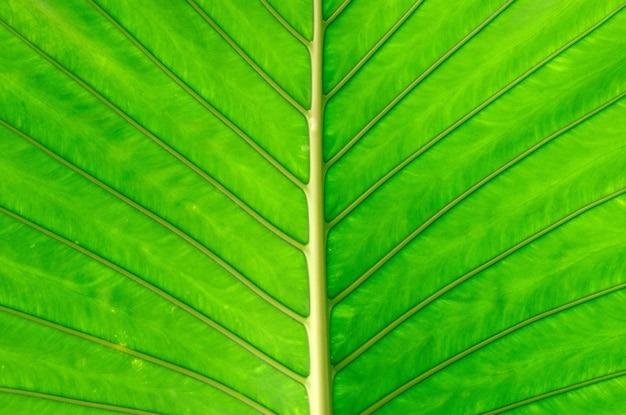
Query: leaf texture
(162, 170)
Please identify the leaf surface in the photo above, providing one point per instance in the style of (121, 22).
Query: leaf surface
(293, 207)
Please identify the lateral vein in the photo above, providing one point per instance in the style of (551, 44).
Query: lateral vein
(384, 179)
(76, 402)
(244, 344)
(271, 82)
(334, 15)
(166, 147)
(557, 392)
(442, 211)
(414, 83)
(373, 50)
(137, 354)
(201, 100)
(448, 362)
(284, 23)
(458, 281)
(164, 223)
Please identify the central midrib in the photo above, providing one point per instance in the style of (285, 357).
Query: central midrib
(318, 382)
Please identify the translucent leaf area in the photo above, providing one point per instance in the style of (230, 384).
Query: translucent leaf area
(156, 206)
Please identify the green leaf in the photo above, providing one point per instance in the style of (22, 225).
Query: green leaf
(312, 206)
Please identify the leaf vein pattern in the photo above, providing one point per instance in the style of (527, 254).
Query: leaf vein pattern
(373, 50)
(75, 402)
(442, 211)
(171, 151)
(384, 179)
(334, 15)
(140, 355)
(458, 281)
(284, 23)
(557, 392)
(413, 84)
(448, 362)
(164, 223)
(161, 293)
(201, 100)
(271, 82)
